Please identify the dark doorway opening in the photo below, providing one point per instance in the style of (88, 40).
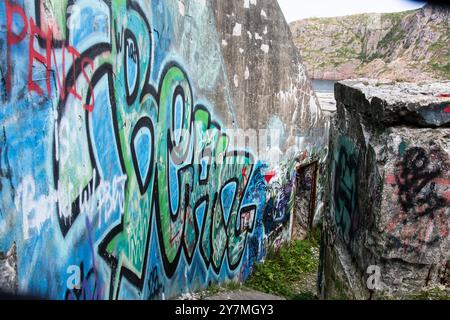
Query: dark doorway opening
(305, 200)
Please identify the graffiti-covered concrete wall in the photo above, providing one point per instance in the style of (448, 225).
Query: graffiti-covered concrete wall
(274, 97)
(387, 231)
(120, 174)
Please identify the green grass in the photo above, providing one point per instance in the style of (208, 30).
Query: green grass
(443, 69)
(283, 269)
(396, 16)
(392, 38)
(340, 291)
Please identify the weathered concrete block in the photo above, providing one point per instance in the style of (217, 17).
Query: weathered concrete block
(389, 103)
(389, 202)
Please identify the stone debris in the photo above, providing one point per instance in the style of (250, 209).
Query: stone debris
(8, 271)
(423, 104)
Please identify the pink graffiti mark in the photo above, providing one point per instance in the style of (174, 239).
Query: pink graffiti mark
(446, 195)
(244, 172)
(269, 176)
(420, 232)
(417, 234)
(245, 178)
(390, 179)
(445, 95)
(447, 109)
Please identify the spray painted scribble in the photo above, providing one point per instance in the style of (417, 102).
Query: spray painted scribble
(345, 192)
(420, 182)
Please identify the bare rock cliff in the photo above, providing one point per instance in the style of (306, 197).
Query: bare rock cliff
(409, 46)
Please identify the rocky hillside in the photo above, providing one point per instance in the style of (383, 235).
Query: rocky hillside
(410, 45)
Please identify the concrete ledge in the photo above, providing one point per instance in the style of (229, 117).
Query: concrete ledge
(423, 104)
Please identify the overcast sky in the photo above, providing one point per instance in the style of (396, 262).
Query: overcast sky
(300, 9)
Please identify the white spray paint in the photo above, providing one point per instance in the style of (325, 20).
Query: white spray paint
(237, 30)
(36, 211)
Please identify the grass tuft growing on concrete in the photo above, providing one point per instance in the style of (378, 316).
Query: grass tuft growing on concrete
(290, 272)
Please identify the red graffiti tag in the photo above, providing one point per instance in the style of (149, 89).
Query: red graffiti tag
(244, 172)
(269, 176)
(35, 32)
(35, 55)
(11, 37)
(447, 109)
